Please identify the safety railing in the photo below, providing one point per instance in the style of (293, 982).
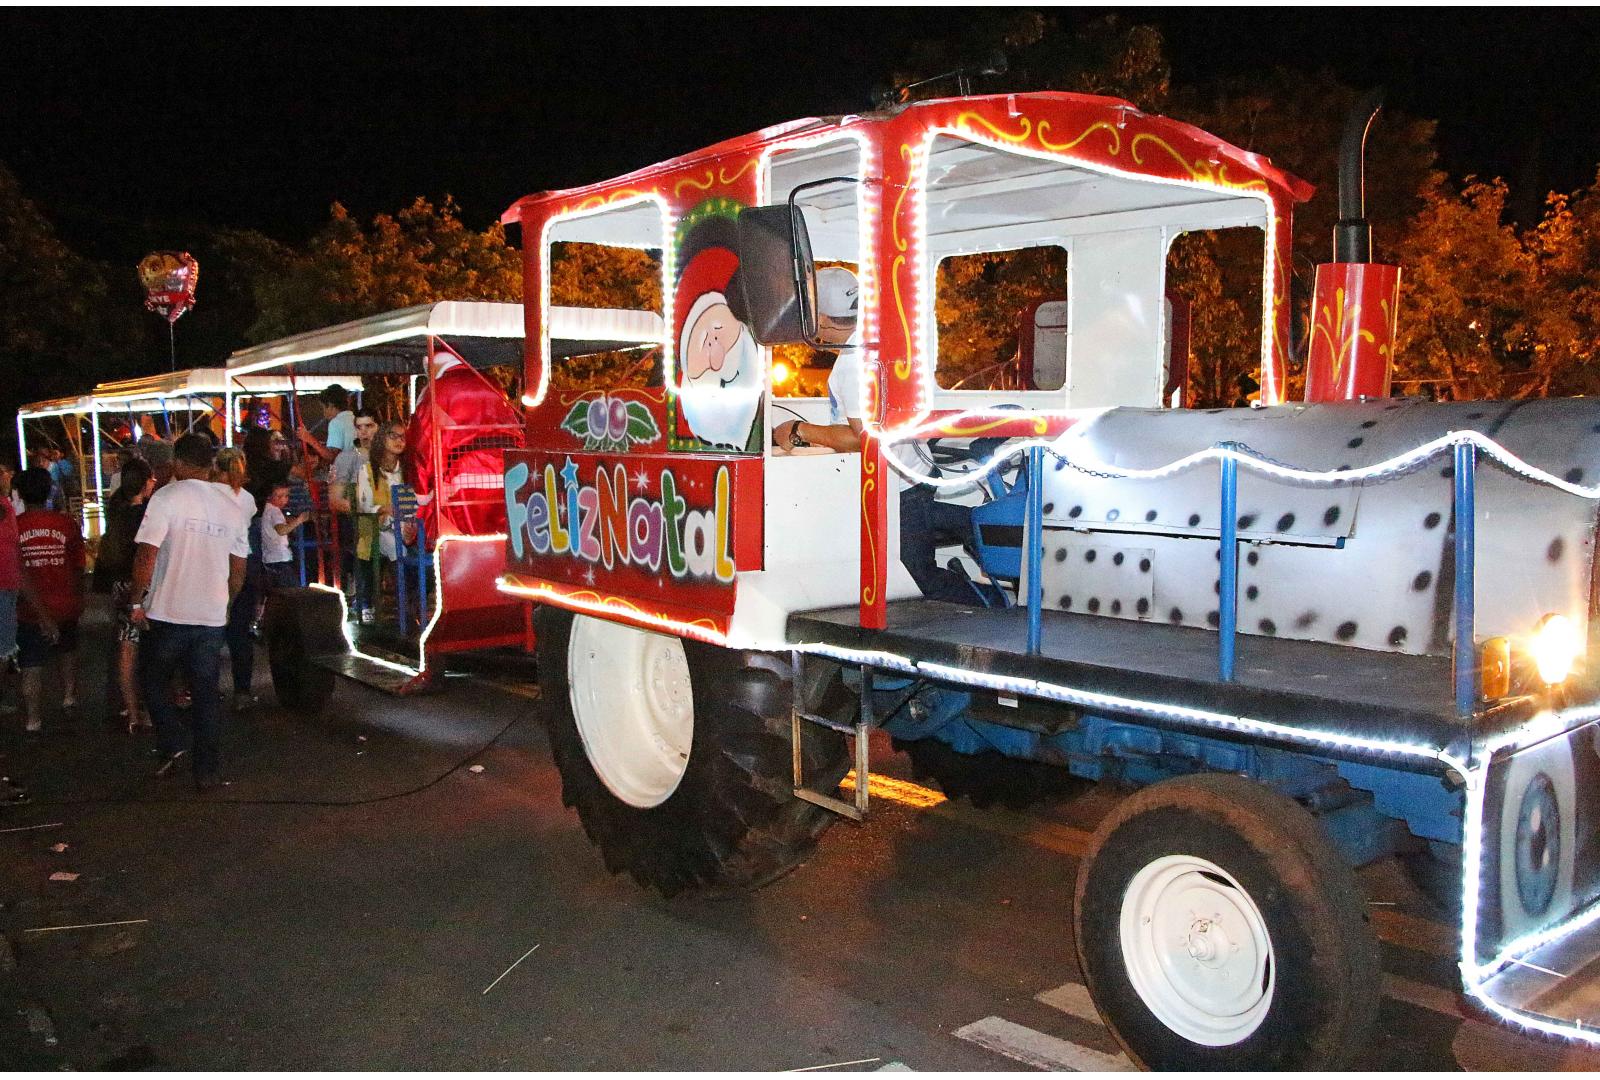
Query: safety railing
(1465, 448)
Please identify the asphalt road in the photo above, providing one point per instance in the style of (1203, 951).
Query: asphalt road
(358, 897)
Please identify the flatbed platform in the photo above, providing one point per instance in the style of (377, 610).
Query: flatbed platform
(1299, 684)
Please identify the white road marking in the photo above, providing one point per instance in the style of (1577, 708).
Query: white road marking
(510, 969)
(1038, 1049)
(1073, 999)
(836, 1065)
(84, 926)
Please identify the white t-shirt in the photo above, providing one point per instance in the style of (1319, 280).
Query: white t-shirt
(274, 548)
(341, 431)
(242, 498)
(196, 525)
(844, 382)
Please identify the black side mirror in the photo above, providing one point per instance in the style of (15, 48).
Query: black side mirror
(774, 291)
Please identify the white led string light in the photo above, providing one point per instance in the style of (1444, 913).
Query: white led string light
(868, 194)
(922, 159)
(438, 585)
(1309, 477)
(549, 595)
(545, 359)
(318, 354)
(349, 639)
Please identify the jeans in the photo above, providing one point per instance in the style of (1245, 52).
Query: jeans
(280, 575)
(349, 581)
(925, 523)
(166, 649)
(241, 615)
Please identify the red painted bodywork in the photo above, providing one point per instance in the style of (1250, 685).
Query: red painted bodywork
(1100, 133)
(1353, 317)
(473, 613)
(626, 541)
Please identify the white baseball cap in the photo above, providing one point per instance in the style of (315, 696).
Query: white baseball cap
(838, 293)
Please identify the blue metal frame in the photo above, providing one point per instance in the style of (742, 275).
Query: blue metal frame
(1228, 583)
(1466, 659)
(300, 502)
(1362, 806)
(1033, 527)
(403, 498)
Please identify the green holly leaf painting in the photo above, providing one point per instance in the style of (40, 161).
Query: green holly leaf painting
(577, 420)
(641, 425)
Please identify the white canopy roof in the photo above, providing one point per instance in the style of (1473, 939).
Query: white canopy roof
(158, 391)
(486, 334)
(55, 407)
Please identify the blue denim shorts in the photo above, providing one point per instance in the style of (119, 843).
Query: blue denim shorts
(8, 624)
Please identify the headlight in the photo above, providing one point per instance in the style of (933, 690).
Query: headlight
(1555, 646)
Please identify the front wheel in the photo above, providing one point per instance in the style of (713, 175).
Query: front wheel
(676, 754)
(1218, 928)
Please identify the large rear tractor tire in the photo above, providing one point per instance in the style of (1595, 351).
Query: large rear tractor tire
(301, 624)
(676, 754)
(989, 778)
(1218, 928)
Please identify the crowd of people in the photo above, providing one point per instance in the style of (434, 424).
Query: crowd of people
(194, 539)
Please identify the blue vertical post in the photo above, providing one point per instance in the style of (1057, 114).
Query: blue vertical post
(1466, 660)
(402, 556)
(422, 575)
(1228, 557)
(1033, 536)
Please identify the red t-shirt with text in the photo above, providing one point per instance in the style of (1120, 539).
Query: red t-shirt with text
(10, 553)
(52, 561)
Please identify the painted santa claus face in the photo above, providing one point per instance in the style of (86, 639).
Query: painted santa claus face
(712, 341)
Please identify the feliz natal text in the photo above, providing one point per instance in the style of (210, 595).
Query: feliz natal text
(613, 529)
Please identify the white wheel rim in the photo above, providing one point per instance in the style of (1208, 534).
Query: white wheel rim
(1197, 950)
(634, 707)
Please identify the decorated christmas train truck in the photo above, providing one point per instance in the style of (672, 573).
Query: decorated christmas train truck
(1304, 636)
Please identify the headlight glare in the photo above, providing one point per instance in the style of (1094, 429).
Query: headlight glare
(1555, 646)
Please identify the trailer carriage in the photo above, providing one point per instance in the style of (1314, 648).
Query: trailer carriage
(1312, 635)
(115, 415)
(459, 425)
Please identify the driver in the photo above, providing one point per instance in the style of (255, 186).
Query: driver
(838, 301)
(923, 519)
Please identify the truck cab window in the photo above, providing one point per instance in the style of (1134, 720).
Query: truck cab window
(990, 335)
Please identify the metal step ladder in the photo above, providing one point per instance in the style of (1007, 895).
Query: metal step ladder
(858, 731)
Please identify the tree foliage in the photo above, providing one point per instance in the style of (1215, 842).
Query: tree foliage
(980, 308)
(65, 321)
(1490, 311)
(349, 271)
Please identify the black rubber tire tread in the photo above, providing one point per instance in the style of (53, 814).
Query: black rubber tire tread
(1328, 979)
(733, 823)
(990, 778)
(300, 685)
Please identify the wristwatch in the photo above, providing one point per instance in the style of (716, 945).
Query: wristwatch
(795, 441)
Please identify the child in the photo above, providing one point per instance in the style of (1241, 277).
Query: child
(52, 595)
(275, 531)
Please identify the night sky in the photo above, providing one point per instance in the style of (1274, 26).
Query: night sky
(119, 121)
